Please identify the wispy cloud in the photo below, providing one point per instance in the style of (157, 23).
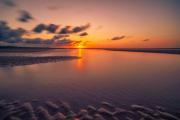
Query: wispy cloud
(145, 40)
(25, 16)
(83, 34)
(78, 29)
(9, 3)
(118, 37)
(59, 36)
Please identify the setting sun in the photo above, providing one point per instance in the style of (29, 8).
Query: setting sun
(80, 46)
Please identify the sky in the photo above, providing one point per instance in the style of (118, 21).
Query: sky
(90, 23)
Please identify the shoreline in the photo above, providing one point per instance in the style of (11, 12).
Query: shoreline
(145, 50)
(59, 110)
(148, 50)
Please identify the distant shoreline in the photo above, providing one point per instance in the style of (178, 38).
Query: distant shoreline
(39, 49)
(148, 50)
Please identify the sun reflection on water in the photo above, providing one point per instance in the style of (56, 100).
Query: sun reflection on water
(79, 61)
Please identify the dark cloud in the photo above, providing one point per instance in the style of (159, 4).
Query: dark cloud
(76, 29)
(118, 37)
(15, 36)
(14, 40)
(17, 32)
(39, 41)
(83, 34)
(66, 30)
(68, 42)
(145, 40)
(80, 28)
(48, 42)
(60, 36)
(25, 16)
(33, 41)
(40, 28)
(64, 42)
(9, 3)
(8, 34)
(52, 28)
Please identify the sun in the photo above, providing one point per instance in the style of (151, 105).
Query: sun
(80, 46)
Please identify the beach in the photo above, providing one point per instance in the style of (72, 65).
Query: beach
(71, 84)
(59, 110)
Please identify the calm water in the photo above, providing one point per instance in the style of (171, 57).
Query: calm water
(113, 76)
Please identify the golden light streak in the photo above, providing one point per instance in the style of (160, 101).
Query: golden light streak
(79, 63)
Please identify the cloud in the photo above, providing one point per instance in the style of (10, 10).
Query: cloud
(34, 41)
(80, 28)
(39, 28)
(16, 36)
(64, 42)
(8, 35)
(83, 34)
(52, 28)
(69, 42)
(9, 3)
(66, 30)
(14, 40)
(77, 42)
(118, 37)
(48, 42)
(38, 41)
(17, 32)
(25, 16)
(60, 36)
(145, 40)
(76, 29)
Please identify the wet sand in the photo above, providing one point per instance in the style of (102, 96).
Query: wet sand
(22, 49)
(149, 50)
(59, 110)
(10, 61)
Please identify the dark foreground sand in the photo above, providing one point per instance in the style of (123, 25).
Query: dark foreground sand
(149, 50)
(10, 61)
(58, 110)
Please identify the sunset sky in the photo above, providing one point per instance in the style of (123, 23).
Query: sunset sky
(90, 23)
